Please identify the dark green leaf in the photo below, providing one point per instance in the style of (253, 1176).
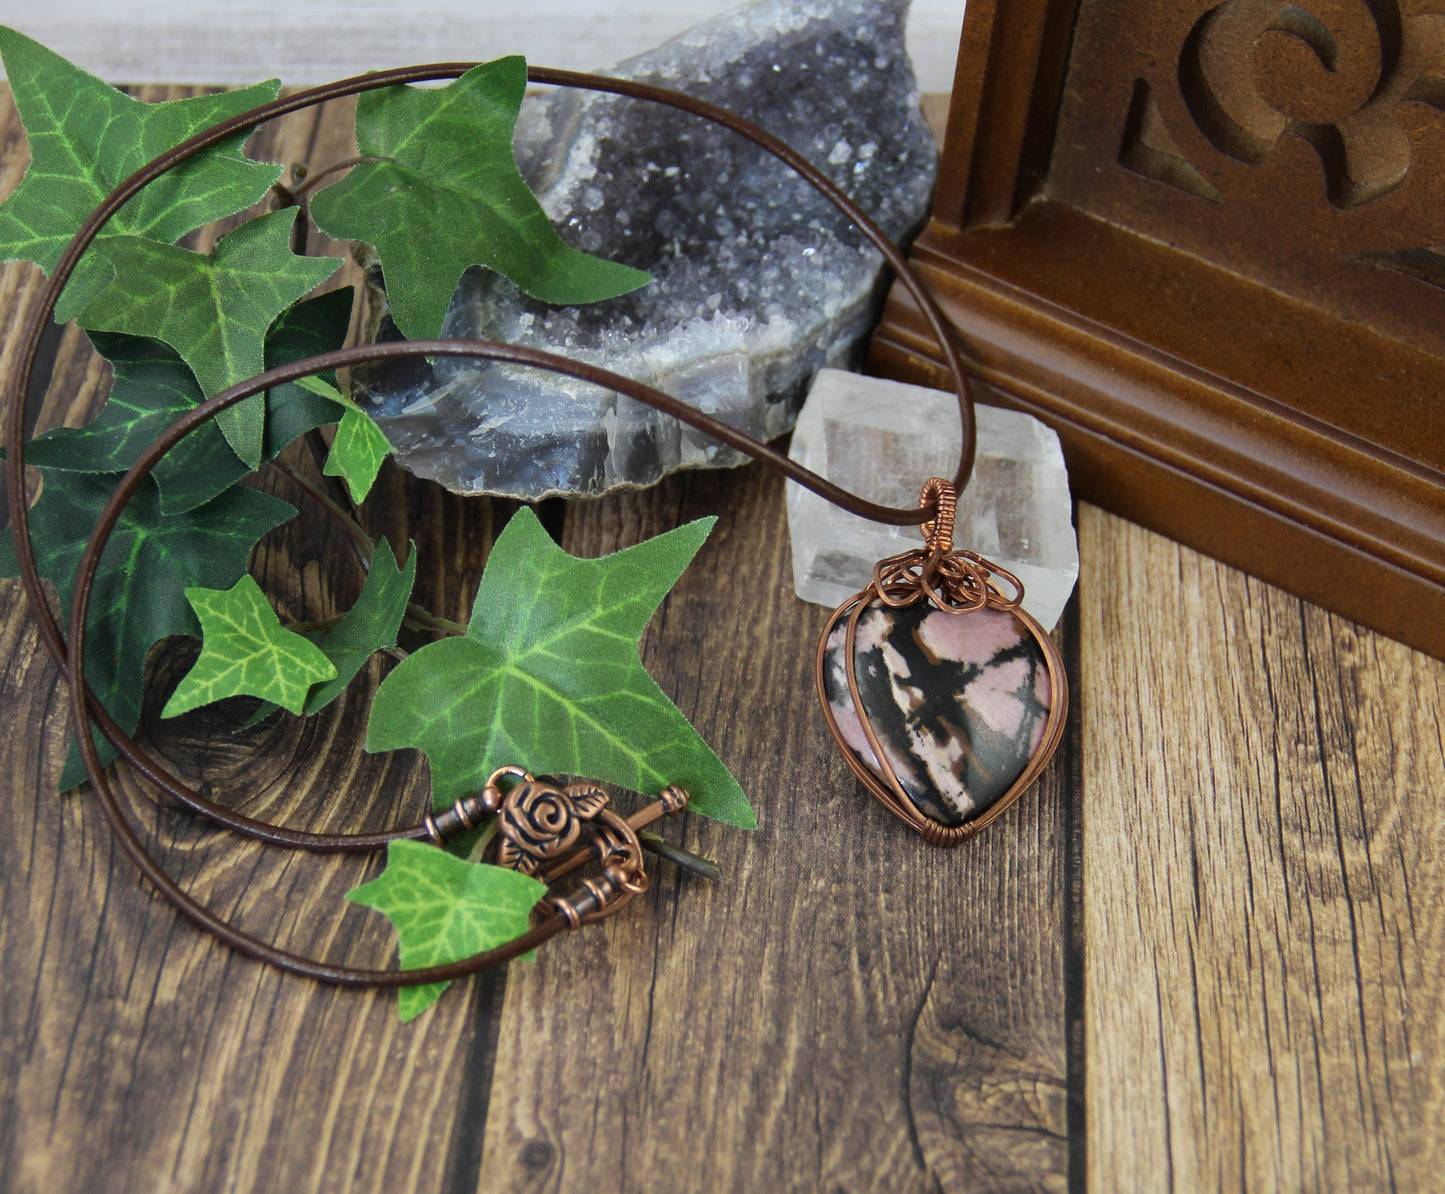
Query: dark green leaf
(213, 308)
(153, 387)
(446, 909)
(448, 196)
(548, 677)
(245, 651)
(139, 594)
(148, 394)
(369, 626)
(303, 330)
(86, 137)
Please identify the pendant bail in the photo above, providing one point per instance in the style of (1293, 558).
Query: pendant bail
(938, 531)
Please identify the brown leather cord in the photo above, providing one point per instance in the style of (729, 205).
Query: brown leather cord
(85, 706)
(14, 429)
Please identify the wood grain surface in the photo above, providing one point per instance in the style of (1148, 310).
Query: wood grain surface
(1205, 951)
(820, 1021)
(1264, 918)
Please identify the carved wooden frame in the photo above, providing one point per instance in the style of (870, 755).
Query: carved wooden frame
(1205, 241)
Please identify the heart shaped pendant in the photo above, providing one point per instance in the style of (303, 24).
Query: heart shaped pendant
(946, 697)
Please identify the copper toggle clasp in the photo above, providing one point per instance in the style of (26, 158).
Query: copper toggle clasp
(549, 831)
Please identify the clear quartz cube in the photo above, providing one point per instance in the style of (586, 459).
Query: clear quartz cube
(882, 440)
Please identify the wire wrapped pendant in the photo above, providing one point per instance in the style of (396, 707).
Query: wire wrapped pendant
(945, 696)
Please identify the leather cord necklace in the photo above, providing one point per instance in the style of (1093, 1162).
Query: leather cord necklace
(543, 828)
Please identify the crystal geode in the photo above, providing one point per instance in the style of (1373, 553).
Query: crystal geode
(758, 282)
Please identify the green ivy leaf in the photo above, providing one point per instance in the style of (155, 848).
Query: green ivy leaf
(139, 594)
(359, 446)
(448, 196)
(548, 677)
(212, 308)
(305, 329)
(446, 909)
(357, 451)
(369, 626)
(153, 387)
(86, 137)
(245, 651)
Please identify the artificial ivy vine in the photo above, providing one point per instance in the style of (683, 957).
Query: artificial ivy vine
(545, 675)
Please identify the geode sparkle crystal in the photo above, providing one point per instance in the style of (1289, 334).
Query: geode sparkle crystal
(757, 280)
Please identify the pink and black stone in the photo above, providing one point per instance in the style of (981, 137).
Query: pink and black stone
(959, 702)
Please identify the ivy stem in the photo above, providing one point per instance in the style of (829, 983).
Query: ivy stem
(334, 485)
(322, 624)
(397, 653)
(423, 619)
(480, 847)
(312, 181)
(417, 617)
(679, 857)
(365, 548)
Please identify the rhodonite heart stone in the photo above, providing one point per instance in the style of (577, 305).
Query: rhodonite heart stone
(959, 702)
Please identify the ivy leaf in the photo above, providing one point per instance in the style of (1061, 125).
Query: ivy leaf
(548, 677)
(445, 909)
(153, 387)
(212, 308)
(150, 560)
(359, 446)
(447, 195)
(245, 651)
(305, 329)
(357, 451)
(369, 626)
(86, 137)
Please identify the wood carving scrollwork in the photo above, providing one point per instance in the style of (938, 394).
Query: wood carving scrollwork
(1205, 240)
(1352, 79)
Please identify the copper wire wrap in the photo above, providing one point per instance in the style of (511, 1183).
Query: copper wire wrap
(86, 708)
(674, 799)
(938, 530)
(958, 583)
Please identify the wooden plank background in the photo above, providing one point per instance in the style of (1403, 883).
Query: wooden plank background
(1206, 951)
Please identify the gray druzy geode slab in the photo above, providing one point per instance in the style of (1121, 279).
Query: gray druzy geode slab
(758, 282)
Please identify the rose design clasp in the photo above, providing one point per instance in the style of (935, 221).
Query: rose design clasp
(550, 831)
(538, 822)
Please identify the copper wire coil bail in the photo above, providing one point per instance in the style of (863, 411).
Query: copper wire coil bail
(956, 581)
(938, 530)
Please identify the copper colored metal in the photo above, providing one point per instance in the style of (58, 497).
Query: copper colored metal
(539, 822)
(611, 842)
(673, 800)
(958, 583)
(938, 530)
(667, 805)
(460, 809)
(465, 814)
